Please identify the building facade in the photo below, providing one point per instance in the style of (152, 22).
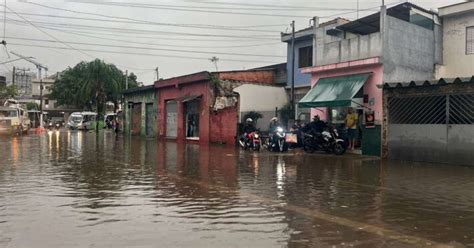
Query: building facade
(396, 44)
(140, 111)
(304, 56)
(458, 40)
(433, 120)
(205, 107)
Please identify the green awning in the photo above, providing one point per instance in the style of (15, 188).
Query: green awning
(334, 92)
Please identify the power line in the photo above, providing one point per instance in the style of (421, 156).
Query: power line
(141, 54)
(170, 45)
(148, 23)
(44, 32)
(266, 8)
(148, 48)
(260, 5)
(135, 36)
(145, 21)
(187, 10)
(145, 31)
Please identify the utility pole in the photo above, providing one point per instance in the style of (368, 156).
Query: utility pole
(292, 101)
(315, 31)
(126, 79)
(13, 76)
(39, 67)
(41, 102)
(157, 74)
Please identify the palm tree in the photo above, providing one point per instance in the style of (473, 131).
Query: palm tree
(98, 78)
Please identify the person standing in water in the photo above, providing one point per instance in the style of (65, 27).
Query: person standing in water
(352, 129)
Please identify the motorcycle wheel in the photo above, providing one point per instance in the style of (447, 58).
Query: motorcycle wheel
(307, 147)
(339, 149)
(242, 144)
(256, 147)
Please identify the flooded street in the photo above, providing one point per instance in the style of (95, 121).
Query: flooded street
(71, 189)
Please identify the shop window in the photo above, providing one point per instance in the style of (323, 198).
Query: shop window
(305, 56)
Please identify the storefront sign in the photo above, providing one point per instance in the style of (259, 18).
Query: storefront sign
(369, 119)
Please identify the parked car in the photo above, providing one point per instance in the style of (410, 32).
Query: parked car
(14, 120)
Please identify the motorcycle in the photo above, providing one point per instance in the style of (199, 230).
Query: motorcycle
(277, 141)
(251, 141)
(329, 141)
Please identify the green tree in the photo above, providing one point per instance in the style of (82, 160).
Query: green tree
(7, 92)
(91, 84)
(32, 106)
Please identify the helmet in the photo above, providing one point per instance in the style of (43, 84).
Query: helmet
(249, 120)
(275, 119)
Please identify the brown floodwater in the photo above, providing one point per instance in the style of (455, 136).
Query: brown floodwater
(73, 189)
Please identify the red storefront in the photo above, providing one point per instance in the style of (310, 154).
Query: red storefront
(202, 107)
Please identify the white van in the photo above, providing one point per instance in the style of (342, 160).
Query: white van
(82, 121)
(14, 120)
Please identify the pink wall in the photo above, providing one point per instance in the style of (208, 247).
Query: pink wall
(223, 123)
(371, 65)
(177, 93)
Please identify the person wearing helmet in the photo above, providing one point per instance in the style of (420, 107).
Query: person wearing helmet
(317, 125)
(273, 125)
(249, 126)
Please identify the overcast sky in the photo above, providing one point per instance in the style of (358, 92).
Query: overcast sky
(179, 37)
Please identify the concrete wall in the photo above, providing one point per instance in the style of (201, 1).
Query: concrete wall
(456, 63)
(354, 48)
(408, 51)
(47, 84)
(261, 98)
(300, 79)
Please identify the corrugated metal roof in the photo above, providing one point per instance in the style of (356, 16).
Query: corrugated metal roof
(441, 81)
(139, 89)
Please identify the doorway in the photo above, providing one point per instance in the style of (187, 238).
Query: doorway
(192, 119)
(150, 120)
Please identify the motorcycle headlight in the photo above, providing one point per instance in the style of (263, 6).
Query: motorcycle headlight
(279, 129)
(256, 136)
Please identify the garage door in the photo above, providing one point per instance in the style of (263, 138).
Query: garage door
(136, 118)
(171, 119)
(435, 128)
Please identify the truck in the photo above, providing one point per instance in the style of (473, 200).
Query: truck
(14, 120)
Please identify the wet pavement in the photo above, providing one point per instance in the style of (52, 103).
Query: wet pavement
(73, 189)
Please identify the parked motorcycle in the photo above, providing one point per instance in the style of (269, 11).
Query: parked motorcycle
(251, 141)
(277, 141)
(328, 141)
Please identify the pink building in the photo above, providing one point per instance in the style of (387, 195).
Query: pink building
(401, 43)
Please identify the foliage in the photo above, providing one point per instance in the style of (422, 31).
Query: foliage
(91, 84)
(254, 115)
(32, 106)
(7, 92)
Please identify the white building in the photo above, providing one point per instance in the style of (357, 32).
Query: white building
(264, 99)
(458, 40)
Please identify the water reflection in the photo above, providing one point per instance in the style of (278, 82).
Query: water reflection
(102, 191)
